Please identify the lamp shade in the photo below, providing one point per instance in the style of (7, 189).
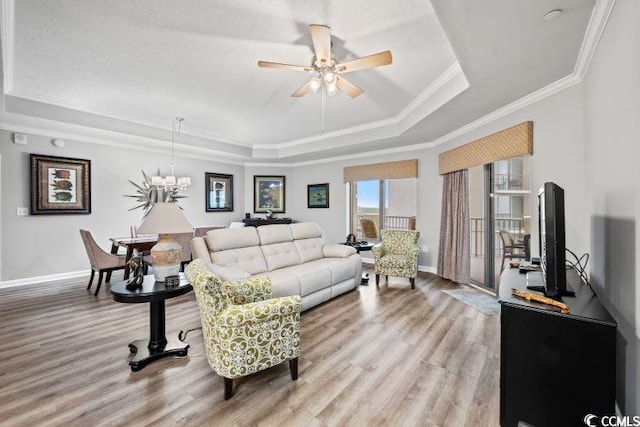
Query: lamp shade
(165, 218)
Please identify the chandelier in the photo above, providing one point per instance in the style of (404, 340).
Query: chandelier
(171, 184)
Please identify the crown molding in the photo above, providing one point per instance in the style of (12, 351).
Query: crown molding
(52, 129)
(452, 81)
(92, 109)
(595, 29)
(519, 104)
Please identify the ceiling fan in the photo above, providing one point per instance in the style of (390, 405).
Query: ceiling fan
(326, 68)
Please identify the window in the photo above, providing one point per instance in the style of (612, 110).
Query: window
(389, 203)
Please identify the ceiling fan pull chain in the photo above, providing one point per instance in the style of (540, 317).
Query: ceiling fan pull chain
(324, 106)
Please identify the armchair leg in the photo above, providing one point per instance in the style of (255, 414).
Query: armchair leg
(413, 282)
(293, 367)
(228, 388)
(108, 278)
(93, 273)
(377, 279)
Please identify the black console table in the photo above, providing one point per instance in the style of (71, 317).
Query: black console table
(555, 368)
(257, 222)
(155, 293)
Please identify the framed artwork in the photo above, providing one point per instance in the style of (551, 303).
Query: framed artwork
(60, 185)
(218, 192)
(268, 194)
(318, 196)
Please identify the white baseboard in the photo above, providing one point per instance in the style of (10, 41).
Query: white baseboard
(43, 279)
(427, 269)
(81, 273)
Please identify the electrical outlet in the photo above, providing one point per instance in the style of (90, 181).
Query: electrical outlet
(425, 248)
(22, 211)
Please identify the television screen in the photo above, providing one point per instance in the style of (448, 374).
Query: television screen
(551, 229)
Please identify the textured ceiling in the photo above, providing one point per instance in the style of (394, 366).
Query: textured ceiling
(131, 67)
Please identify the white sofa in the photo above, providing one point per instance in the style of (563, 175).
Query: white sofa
(296, 257)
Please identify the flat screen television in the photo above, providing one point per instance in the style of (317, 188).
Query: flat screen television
(551, 233)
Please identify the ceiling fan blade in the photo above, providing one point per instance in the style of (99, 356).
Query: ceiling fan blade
(303, 90)
(347, 87)
(321, 35)
(375, 60)
(268, 64)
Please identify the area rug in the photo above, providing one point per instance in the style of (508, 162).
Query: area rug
(479, 300)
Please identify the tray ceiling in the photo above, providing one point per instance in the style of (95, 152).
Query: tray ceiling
(128, 68)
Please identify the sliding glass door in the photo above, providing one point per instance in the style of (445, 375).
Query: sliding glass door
(499, 199)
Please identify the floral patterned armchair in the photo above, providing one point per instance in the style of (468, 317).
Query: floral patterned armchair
(397, 255)
(244, 330)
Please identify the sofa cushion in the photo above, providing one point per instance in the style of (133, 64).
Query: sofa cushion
(280, 255)
(228, 274)
(248, 259)
(309, 249)
(283, 283)
(231, 238)
(309, 240)
(275, 233)
(305, 230)
(313, 276)
(341, 269)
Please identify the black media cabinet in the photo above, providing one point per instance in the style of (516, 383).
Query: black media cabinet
(555, 368)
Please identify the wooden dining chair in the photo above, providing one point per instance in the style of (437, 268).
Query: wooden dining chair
(101, 261)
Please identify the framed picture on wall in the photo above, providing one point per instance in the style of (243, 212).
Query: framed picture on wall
(268, 194)
(218, 192)
(318, 196)
(59, 185)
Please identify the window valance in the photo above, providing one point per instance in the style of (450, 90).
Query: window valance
(508, 143)
(388, 170)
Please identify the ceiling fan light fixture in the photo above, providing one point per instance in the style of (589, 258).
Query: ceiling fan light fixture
(332, 89)
(329, 77)
(315, 84)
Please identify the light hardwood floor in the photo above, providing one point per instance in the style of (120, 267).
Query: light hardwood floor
(389, 356)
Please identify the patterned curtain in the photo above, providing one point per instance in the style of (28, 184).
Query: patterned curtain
(453, 257)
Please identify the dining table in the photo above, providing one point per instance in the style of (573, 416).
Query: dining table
(132, 244)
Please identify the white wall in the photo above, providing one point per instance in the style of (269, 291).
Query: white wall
(42, 245)
(612, 186)
(558, 144)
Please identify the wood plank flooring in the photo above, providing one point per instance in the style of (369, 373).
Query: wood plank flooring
(390, 357)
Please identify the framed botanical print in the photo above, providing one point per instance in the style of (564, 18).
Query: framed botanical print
(218, 192)
(318, 196)
(268, 194)
(60, 185)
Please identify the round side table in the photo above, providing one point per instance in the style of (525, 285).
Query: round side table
(155, 293)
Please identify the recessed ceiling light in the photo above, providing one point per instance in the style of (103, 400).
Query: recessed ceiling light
(552, 15)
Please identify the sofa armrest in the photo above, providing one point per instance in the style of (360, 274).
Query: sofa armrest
(228, 274)
(249, 290)
(199, 249)
(336, 250)
(262, 311)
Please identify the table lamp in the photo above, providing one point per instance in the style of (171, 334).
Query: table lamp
(165, 219)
